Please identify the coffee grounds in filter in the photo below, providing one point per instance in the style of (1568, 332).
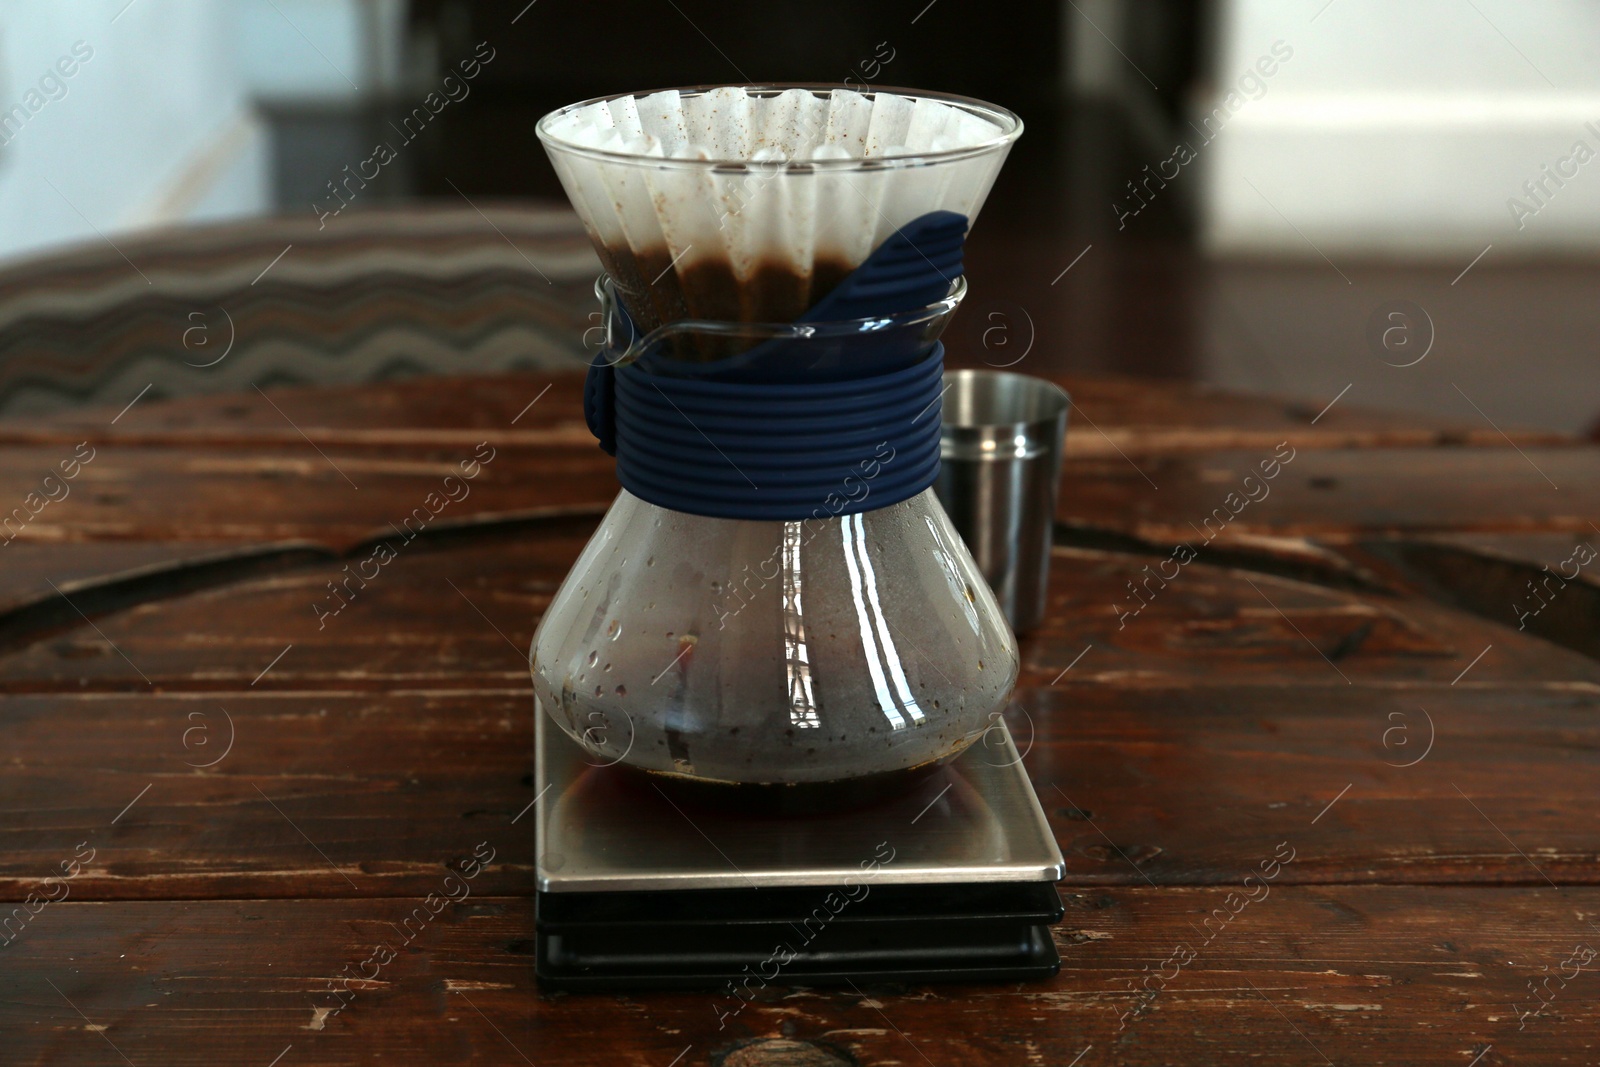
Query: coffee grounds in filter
(743, 205)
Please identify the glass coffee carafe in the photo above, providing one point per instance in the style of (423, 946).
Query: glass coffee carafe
(808, 625)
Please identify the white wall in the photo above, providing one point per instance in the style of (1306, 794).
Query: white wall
(159, 125)
(1402, 129)
(161, 91)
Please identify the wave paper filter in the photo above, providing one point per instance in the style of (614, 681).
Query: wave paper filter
(751, 204)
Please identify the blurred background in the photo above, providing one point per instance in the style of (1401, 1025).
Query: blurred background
(1301, 197)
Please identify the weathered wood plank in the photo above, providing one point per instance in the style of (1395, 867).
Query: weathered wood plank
(1334, 495)
(483, 595)
(1545, 583)
(1152, 622)
(1356, 974)
(251, 794)
(1148, 417)
(1416, 784)
(477, 630)
(266, 496)
(28, 570)
(1168, 786)
(287, 493)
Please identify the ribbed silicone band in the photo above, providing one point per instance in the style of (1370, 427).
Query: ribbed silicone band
(784, 452)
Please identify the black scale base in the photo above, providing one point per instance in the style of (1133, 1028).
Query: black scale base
(740, 940)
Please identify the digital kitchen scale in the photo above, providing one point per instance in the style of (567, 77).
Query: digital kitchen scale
(640, 888)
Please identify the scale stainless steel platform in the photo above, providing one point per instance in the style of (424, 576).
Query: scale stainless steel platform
(952, 880)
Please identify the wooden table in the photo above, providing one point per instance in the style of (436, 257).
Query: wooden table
(248, 802)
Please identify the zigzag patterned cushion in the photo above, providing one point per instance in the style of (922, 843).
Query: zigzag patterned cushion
(377, 294)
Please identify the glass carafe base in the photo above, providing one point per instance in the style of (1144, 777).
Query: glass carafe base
(742, 653)
(783, 799)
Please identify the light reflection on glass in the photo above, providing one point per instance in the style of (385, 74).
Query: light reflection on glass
(946, 559)
(875, 628)
(796, 657)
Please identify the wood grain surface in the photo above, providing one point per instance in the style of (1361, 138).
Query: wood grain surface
(248, 802)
